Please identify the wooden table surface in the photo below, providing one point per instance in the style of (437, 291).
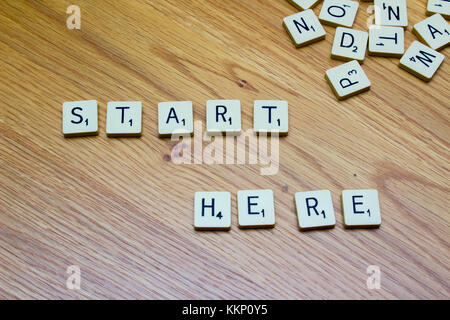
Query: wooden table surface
(122, 211)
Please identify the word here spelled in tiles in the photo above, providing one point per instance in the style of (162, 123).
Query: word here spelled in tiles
(212, 210)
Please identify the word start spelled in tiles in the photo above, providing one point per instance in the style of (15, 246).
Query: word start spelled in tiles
(124, 118)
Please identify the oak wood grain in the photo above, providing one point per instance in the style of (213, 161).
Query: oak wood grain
(123, 211)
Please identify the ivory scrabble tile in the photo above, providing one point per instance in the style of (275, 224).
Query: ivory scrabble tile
(212, 211)
(80, 118)
(124, 118)
(256, 209)
(347, 80)
(338, 12)
(303, 4)
(421, 61)
(315, 210)
(391, 13)
(439, 6)
(223, 116)
(386, 41)
(361, 208)
(175, 117)
(433, 31)
(304, 28)
(349, 44)
(271, 116)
